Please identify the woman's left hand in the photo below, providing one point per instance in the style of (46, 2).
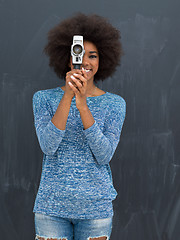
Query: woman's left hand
(80, 81)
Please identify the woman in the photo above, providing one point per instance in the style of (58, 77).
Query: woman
(78, 127)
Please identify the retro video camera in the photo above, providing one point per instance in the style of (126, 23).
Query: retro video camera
(77, 51)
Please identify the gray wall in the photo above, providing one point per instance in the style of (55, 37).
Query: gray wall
(146, 164)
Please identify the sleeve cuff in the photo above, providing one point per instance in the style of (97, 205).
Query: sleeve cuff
(54, 129)
(94, 129)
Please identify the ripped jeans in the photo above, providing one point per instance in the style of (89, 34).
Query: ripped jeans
(57, 228)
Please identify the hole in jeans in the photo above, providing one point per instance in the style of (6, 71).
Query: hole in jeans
(47, 238)
(98, 238)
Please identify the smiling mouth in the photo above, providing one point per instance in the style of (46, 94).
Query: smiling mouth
(87, 70)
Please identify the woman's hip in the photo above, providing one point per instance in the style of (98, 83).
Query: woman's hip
(53, 227)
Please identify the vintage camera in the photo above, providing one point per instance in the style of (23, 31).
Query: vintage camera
(77, 51)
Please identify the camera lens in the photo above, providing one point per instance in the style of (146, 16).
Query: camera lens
(77, 49)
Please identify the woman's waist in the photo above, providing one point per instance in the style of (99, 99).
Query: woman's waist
(75, 185)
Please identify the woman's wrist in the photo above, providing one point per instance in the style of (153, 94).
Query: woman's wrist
(68, 96)
(84, 109)
(86, 117)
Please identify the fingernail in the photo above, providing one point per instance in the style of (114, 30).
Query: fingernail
(72, 77)
(75, 74)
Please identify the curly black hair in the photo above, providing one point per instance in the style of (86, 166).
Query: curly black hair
(93, 28)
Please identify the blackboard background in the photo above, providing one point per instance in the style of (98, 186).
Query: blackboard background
(146, 164)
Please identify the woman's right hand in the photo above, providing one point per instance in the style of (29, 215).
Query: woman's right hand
(68, 89)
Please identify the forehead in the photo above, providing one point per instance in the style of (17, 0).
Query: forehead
(89, 46)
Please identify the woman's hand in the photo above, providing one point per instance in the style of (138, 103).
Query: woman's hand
(79, 87)
(68, 90)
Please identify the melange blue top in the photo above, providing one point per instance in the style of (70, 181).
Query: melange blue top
(76, 179)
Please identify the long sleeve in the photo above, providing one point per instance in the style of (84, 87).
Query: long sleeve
(104, 143)
(48, 135)
(76, 182)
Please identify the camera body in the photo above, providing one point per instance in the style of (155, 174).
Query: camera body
(77, 51)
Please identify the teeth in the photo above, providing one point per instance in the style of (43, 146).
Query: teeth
(87, 70)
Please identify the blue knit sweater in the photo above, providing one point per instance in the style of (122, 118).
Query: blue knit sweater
(76, 179)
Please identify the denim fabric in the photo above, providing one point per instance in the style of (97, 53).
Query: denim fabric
(71, 229)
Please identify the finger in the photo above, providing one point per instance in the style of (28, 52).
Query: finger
(84, 73)
(77, 71)
(77, 81)
(75, 89)
(74, 71)
(80, 77)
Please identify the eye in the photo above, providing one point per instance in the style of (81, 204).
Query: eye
(92, 56)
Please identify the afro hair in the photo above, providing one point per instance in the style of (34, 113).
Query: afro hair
(93, 28)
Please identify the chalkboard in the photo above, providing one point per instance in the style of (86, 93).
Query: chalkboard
(146, 164)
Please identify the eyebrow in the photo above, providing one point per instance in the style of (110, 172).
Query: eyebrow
(92, 52)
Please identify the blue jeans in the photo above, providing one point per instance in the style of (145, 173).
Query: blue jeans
(50, 227)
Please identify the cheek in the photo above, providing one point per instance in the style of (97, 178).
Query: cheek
(98, 62)
(97, 65)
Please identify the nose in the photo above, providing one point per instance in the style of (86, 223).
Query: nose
(85, 61)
